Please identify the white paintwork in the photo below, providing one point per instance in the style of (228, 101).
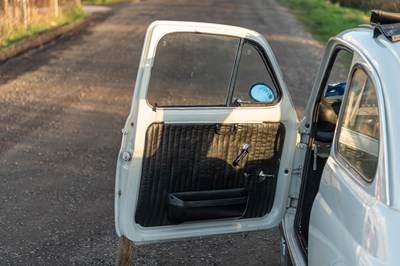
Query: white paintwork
(352, 222)
(384, 60)
(289, 232)
(142, 115)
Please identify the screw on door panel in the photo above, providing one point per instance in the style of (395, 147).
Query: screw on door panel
(126, 156)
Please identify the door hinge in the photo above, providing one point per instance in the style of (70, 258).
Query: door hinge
(295, 187)
(293, 200)
(297, 171)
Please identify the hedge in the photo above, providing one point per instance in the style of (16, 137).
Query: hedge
(387, 5)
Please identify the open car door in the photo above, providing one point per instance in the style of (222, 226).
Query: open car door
(208, 146)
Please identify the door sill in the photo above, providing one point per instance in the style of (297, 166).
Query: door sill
(292, 243)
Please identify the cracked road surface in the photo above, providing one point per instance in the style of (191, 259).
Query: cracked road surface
(61, 110)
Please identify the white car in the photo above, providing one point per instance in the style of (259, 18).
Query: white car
(212, 144)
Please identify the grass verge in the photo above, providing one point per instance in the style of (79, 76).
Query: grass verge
(325, 19)
(19, 34)
(102, 2)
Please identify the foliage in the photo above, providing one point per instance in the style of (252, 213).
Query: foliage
(101, 2)
(325, 19)
(388, 5)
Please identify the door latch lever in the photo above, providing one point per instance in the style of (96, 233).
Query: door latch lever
(245, 151)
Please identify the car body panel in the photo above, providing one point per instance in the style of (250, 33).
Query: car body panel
(383, 57)
(361, 211)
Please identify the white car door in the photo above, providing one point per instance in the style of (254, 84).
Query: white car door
(208, 145)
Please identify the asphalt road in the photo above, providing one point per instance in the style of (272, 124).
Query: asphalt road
(61, 110)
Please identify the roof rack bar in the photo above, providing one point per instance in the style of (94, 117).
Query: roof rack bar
(384, 17)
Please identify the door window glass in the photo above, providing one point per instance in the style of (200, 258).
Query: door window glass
(359, 134)
(252, 70)
(192, 69)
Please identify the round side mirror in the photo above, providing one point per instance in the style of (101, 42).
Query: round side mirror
(261, 92)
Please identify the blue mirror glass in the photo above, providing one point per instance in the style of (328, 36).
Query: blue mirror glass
(261, 92)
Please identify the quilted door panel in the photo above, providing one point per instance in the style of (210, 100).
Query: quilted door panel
(199, 157)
